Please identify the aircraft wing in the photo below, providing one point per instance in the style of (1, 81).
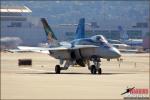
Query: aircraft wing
(33, 49)
(83, 46)
(15, 50)
(60, 52)
(61, 48)
(56, 48)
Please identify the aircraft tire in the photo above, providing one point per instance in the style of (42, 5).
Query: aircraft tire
(99, 71)
(93, 69)
(57, 69)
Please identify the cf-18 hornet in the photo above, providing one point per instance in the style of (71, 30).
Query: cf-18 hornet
(82, 51)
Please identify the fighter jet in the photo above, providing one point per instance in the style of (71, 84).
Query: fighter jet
(80, 51)
(125, 38)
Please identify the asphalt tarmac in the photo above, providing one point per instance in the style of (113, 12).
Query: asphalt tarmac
(39, 81)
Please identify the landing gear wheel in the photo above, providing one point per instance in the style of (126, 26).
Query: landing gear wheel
(99, 71)
(93, 69)
(57, 69)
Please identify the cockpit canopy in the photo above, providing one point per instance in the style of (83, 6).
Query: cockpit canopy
(99, 38)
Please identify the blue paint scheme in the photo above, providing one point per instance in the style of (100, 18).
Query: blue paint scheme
(80, 32)
(90, 41)
(103, 49)
(80, 51)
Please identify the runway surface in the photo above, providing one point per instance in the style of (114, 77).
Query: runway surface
(40, 82)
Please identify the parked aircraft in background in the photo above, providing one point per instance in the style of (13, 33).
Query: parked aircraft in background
(118, 44)
(124, 38)
(80, 51)
(125, 44)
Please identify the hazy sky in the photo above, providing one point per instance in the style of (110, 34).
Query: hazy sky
(100, 11)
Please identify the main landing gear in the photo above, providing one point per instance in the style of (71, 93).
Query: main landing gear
(57, 69)
(66, 66)
(95, 68)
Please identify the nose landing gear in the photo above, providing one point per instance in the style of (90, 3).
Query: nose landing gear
(96, 67)
(99, 71)
(94, 70)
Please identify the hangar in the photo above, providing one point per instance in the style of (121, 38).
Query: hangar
(17, 22)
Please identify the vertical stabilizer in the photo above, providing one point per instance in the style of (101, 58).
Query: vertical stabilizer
(80, 32)
(123, 36)
(51, 38)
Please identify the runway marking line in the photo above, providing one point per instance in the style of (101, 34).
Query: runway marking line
(36, 70)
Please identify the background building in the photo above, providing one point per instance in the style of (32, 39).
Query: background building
(17, 23)
(146, 41)
(20, 25)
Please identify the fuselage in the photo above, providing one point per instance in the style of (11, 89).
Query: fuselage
(134, 42)
(102, 50)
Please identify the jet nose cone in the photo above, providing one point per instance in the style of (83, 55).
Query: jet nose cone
(116, 53)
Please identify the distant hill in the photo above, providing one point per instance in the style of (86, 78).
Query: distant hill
(103, 12)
